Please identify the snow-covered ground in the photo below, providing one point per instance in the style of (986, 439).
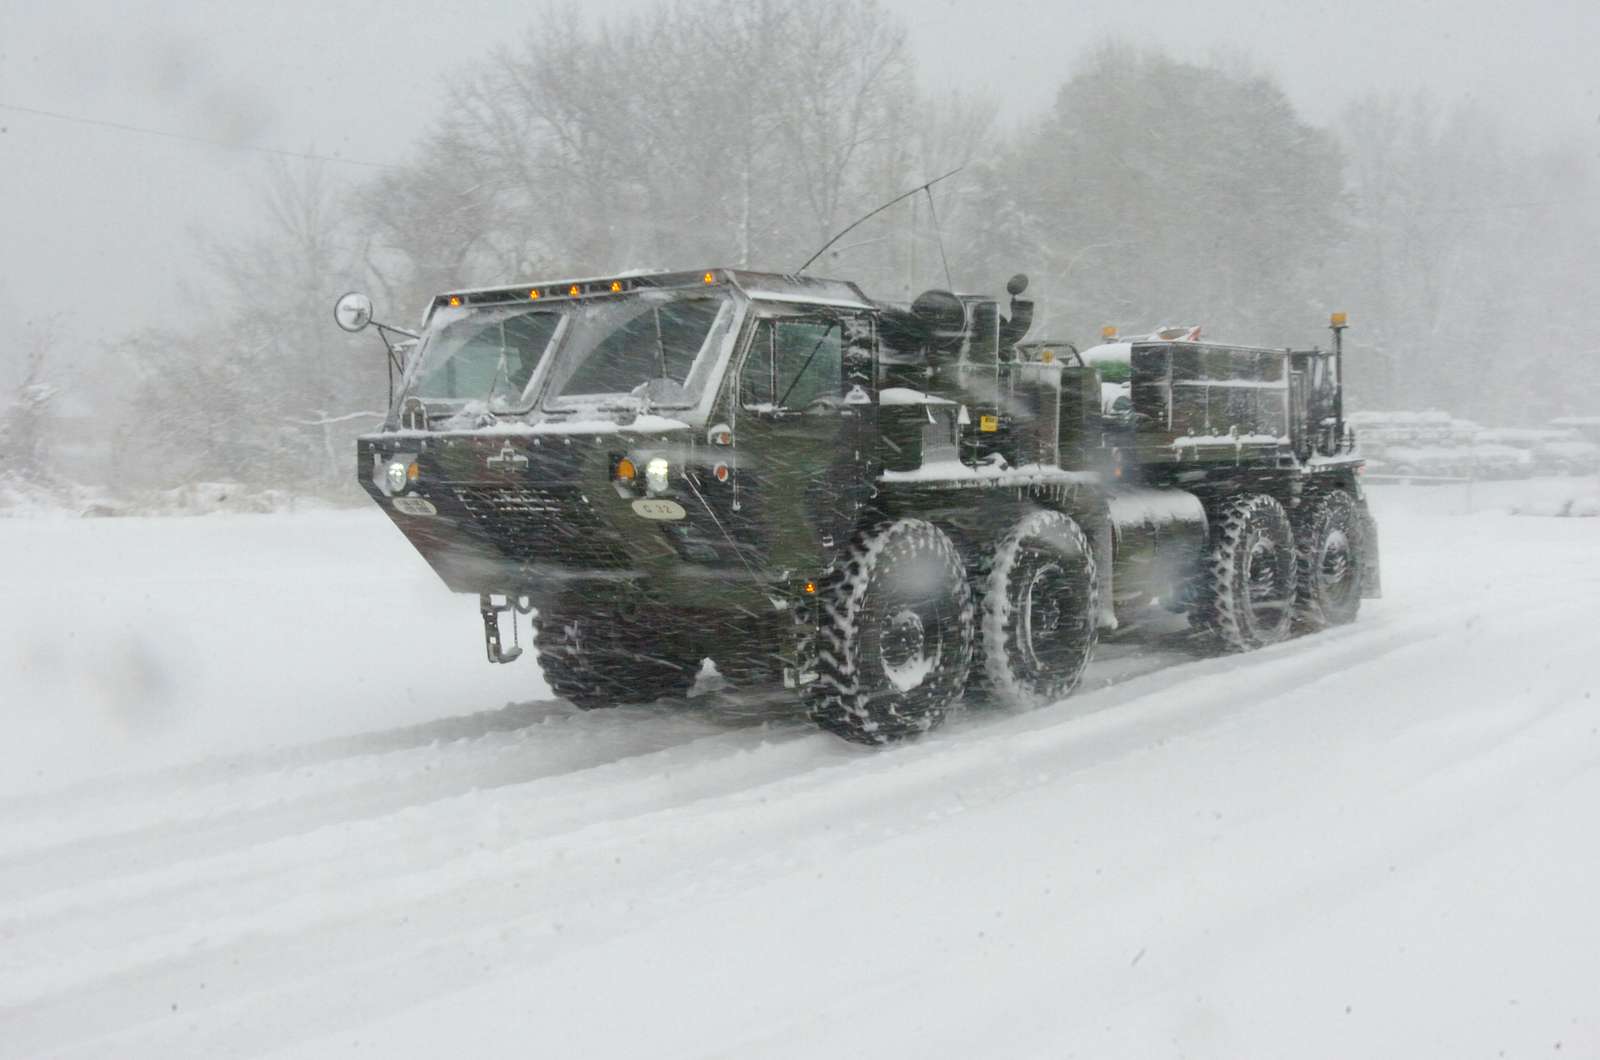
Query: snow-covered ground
(260, 795)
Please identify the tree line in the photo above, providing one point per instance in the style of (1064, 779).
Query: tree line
(1151, 191)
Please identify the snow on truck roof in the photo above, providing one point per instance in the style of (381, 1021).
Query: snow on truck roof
(761, 285)
(1121, 351)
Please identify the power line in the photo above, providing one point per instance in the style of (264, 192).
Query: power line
(304, 155)
(1494, 207)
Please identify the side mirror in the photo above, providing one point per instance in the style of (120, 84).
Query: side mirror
(353, 311)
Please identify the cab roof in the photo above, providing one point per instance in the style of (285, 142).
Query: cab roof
(768, 286)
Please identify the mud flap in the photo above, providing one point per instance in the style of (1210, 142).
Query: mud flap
(1371, 568)
(1097, 525)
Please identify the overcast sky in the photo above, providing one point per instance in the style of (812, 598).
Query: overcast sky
(95, 222)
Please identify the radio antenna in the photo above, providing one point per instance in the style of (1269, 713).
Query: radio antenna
(867, 217)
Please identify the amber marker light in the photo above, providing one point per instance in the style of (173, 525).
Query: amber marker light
(626, 472)
(413, 472)
(811, 588)
(455, 301)
(616, 286)
(534, 294)
(709, 278)
(1108, 332)
(573, 291)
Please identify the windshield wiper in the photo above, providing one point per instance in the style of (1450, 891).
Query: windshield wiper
(661, 344)
(501, 369)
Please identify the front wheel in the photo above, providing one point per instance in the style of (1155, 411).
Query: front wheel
(896, 635)
(1040, 601)
(595, 658)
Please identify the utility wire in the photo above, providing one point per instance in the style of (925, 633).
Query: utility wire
(1495, 207)
(305, 155)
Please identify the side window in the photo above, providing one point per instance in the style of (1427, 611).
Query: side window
(755, 378)
(792, 363)
(808, 361)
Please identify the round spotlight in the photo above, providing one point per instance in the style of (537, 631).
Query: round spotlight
(655, 474)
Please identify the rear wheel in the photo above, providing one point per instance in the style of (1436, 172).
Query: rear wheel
(1248, 592)
(1037, 620)
(1332, 552)
(596, 658)
(896, 635)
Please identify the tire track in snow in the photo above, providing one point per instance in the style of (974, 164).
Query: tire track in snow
(436, 904)
(47, 850)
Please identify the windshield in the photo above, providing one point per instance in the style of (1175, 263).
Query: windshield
(489, 356)
(638, 352)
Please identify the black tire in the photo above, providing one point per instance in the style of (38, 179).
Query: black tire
(748, 650)
(1037, 618)
(594, 659)
(1247, 597)
(895, 639)
(752, 667)
(1331, 539)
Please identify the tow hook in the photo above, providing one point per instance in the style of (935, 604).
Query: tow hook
(491, 612)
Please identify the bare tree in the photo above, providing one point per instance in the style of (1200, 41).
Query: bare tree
(25, 435)
(696, 132)
(1461, 247)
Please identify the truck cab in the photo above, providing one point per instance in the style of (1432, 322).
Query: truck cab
(693, 443)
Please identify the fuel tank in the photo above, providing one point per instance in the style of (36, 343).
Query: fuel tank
(1158, 541)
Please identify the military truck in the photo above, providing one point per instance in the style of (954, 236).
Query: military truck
(887, 509)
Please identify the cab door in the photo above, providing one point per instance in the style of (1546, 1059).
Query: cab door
(803, 409)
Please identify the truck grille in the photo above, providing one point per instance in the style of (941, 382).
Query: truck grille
(543, 524)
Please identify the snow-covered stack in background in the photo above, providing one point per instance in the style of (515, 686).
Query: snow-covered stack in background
(1437, 445)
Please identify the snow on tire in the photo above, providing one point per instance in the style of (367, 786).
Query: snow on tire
(1250, 575)
(1037, 619)
(1331, 540)
(895, 639)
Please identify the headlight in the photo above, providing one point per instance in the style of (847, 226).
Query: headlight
(655, 475)
(397, 476)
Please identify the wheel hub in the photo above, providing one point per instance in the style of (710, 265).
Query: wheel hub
(903, 650)
(1042, 617)
(1335, 568)
(1262, 571)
